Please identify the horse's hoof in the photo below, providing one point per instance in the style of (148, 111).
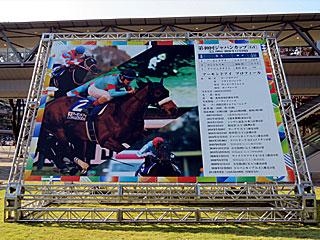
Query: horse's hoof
(73, 171)
(84, 171)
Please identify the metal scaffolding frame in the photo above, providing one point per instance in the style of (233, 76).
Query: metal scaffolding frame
(201, 202)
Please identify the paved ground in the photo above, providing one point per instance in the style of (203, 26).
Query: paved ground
(6, 156)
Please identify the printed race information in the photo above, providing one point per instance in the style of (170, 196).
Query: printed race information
(239, 133)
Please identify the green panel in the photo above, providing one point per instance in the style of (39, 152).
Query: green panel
(285, 147)
(257, 41)
(136, 43)
(246, 179)
(29, 163)
(94, 178)
(274, 98)
(206, 179)
(277, 115)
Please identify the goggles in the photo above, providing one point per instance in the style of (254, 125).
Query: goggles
(129, 78)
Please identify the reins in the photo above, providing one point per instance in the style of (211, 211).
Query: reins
(85, 67)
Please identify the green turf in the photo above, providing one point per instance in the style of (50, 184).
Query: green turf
(156, 231)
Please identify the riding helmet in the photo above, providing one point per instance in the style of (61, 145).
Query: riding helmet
(157, 140)
(128, 73)
(80, 49)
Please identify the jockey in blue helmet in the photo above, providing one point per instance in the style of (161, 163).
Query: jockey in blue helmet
(71, 57)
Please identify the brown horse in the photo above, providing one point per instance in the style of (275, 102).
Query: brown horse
(121, 122)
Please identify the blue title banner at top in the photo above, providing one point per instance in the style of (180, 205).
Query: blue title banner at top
(229, 55)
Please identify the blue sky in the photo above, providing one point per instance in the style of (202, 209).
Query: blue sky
(50, 10)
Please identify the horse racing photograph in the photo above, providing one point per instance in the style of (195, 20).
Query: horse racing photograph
(117, 109)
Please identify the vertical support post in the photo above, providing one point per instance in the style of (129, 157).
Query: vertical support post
(12, 202)
(309, 205)
(198, 215)
(119, 215)
(120, 191)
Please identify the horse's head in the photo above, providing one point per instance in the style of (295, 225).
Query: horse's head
(89, 64)
(164, 152)
(159, 97)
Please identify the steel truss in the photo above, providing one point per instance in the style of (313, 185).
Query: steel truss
(171, 202)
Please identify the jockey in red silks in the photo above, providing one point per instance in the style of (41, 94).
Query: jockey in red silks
(149, 149)
(108, 87)
(71, 57)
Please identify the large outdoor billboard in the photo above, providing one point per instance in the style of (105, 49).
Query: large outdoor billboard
(163, 111)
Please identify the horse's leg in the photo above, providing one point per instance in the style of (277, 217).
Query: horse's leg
(45, 145)
(175, 170)
(40, 161)
(84, 150)
(58, 159)
(63, 140)
(41, 156)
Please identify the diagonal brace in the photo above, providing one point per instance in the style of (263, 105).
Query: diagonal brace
(281, 30)
(33, 51)
(295, 27)
(12, 48)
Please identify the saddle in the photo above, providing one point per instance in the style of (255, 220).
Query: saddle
(75, 113)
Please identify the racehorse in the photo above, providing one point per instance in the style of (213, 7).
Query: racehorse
(73, 76)
(161, 164)
(121, 122)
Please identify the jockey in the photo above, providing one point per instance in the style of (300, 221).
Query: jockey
(71, 58)
(109, 87)
(155, 60)
(149, 149)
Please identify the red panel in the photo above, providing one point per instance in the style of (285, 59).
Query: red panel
(273, 89)
(187, 179)
(70, 178)
(90, 43)
(291, 177)
(114, 179)
(165, 43)
(127, 156)
(33, 178)
(268, 70)
(267, 63)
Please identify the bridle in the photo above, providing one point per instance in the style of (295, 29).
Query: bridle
(158, 104)
(85, 67)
